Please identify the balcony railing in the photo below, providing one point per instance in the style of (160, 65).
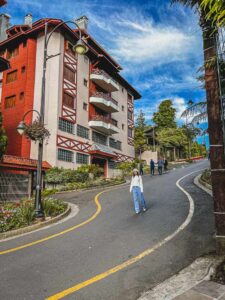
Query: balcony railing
(103, 79)
(103, 119)
(105, 96)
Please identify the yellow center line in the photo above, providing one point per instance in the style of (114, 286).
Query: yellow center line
(99, 208)
(135, 259)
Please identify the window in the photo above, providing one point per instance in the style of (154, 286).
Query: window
(115, 144)
(12, 76)
(10, 102)
(21, 96)
(23, 69)
(65, 155)
(99, 138)
(122, 107)
(85, 106)
(82, 131)
(12, 53)
(123, 126)
(66, 126)
(82, 158)
(130, 132)
(69, 74)
(130, 115)
(114, 122)
(122, 90)
(112, 164)
(68, 100)
(85, 82)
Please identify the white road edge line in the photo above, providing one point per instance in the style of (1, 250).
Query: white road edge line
(190, 214)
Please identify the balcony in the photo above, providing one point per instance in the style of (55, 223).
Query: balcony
(105, 102)
(102, 79)
(103, 124)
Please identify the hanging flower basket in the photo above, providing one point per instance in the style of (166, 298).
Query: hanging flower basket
(36, 131)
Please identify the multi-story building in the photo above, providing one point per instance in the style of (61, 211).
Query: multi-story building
(89, 106)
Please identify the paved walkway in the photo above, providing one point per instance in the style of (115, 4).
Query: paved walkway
(205, 290)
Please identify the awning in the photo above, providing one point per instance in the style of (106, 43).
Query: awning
(21, 163)
(102, 151)
(4, 64)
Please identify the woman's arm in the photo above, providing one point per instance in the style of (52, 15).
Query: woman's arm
(131, 184)
(141, 184)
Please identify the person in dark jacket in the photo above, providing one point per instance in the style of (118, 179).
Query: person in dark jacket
(152, 167)
(160, 166)
(165, 165)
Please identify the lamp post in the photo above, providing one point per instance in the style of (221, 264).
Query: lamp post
(79, 48)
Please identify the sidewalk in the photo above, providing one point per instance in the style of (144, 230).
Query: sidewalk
(205, 290)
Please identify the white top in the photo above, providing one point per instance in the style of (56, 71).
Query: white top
(136, 181)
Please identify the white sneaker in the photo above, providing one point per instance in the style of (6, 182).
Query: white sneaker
(144, 209)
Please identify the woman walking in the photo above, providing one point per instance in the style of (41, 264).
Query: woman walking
(136, 187)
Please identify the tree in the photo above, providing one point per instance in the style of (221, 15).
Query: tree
(3, 138)
(140, 142)
(209, 17)
(172, 138)
(165, 117)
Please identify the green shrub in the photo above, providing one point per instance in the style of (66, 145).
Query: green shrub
(48, 192)
(53, 207)
(27, 213)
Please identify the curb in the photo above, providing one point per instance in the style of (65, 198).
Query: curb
(30, 228)
(203, 185)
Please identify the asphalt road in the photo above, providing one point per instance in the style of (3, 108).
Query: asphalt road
(113, 237)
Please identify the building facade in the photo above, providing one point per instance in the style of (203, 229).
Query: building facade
(89, 106)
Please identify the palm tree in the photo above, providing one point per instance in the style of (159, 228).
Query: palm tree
(208, 21)
(198, 111)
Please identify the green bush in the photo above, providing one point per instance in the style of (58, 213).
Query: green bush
(53, 207)
(27, 213)
(48, 192)
(126, 167)
(17, 215)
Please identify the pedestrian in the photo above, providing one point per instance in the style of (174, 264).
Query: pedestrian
(160, 166)
(141, 168)
(165, 165)
(152, 167)
(136, 188)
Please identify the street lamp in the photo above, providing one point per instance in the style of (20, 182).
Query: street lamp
(80, 48)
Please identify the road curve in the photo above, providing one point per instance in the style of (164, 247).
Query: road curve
(114, 236)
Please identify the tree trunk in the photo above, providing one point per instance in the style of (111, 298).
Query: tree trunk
(215, 130)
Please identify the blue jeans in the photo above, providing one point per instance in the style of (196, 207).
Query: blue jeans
(138, 196)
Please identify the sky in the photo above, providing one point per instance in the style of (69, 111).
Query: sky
(158, 45)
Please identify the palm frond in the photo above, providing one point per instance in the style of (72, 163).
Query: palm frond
(197, 108)
(200, 117)
(190, 3)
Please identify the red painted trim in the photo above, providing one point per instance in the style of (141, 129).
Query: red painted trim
(121, 157)
(71, 144)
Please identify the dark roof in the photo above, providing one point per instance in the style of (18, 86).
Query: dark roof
(18, 33)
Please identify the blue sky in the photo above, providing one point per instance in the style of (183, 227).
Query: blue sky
(158, 45)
